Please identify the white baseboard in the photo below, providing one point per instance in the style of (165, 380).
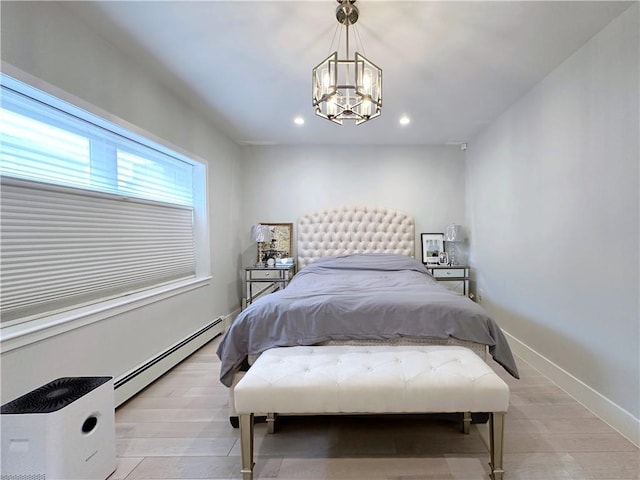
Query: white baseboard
(131, 382)
(614, 415)
(228, 320)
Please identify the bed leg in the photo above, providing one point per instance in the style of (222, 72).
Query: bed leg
(466, 422)
(496, 441)
(246, 445)
(271, 422)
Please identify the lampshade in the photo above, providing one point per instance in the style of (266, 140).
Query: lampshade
(260, 233)
(454, 233)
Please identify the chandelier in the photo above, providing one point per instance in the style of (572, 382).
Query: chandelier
(345, 89)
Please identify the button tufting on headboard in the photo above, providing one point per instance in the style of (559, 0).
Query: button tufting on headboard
(353, 229)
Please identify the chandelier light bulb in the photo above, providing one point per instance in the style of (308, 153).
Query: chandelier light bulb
(326, 81)
(366, 107)
(332, 106)
(366, 81)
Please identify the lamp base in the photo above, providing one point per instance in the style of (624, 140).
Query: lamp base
(453, 254)
(259, 263)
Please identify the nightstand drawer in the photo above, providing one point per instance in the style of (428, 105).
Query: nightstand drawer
(265, 274)
(449, 273)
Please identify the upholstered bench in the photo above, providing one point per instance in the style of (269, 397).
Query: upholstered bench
(365, 380)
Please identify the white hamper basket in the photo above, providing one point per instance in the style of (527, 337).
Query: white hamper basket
(64, 430)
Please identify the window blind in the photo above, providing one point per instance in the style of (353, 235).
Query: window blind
(88, 212)
(61, 249)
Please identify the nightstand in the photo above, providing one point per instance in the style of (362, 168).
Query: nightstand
(260, 281)
(454, 277)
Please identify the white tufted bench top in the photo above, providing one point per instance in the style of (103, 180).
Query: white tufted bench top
(371, 379)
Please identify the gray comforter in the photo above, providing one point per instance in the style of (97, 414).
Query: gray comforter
(360, 296)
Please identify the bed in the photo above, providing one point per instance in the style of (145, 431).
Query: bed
(358, 283)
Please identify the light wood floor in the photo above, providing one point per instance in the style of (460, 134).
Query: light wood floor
(178, 428)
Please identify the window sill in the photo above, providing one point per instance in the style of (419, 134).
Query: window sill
(17, 336)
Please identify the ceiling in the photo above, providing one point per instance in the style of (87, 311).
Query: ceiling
(450, 66)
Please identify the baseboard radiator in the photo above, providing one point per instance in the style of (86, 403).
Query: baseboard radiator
(130, 383)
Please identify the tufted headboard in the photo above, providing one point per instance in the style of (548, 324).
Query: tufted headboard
(356, 229)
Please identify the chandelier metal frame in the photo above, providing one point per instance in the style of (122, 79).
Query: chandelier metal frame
(345, 89)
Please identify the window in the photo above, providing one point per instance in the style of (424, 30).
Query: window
(37, 150)
(89, 211)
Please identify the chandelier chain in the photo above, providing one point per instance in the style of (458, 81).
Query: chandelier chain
(359, 44)
(337, 32)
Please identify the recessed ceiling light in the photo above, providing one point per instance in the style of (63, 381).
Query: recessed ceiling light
(298, 121)
(404, 120)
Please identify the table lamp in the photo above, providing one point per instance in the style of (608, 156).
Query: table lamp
(453, 233)
(260, 234)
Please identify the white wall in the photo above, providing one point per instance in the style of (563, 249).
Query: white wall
(43, 41)
(552, 204)
(283, 182)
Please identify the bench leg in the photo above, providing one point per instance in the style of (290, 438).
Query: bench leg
(271, 423)
(246, 445)
(466, 422)
(496, 441)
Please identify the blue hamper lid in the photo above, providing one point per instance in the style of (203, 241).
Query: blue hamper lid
(53, 396)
